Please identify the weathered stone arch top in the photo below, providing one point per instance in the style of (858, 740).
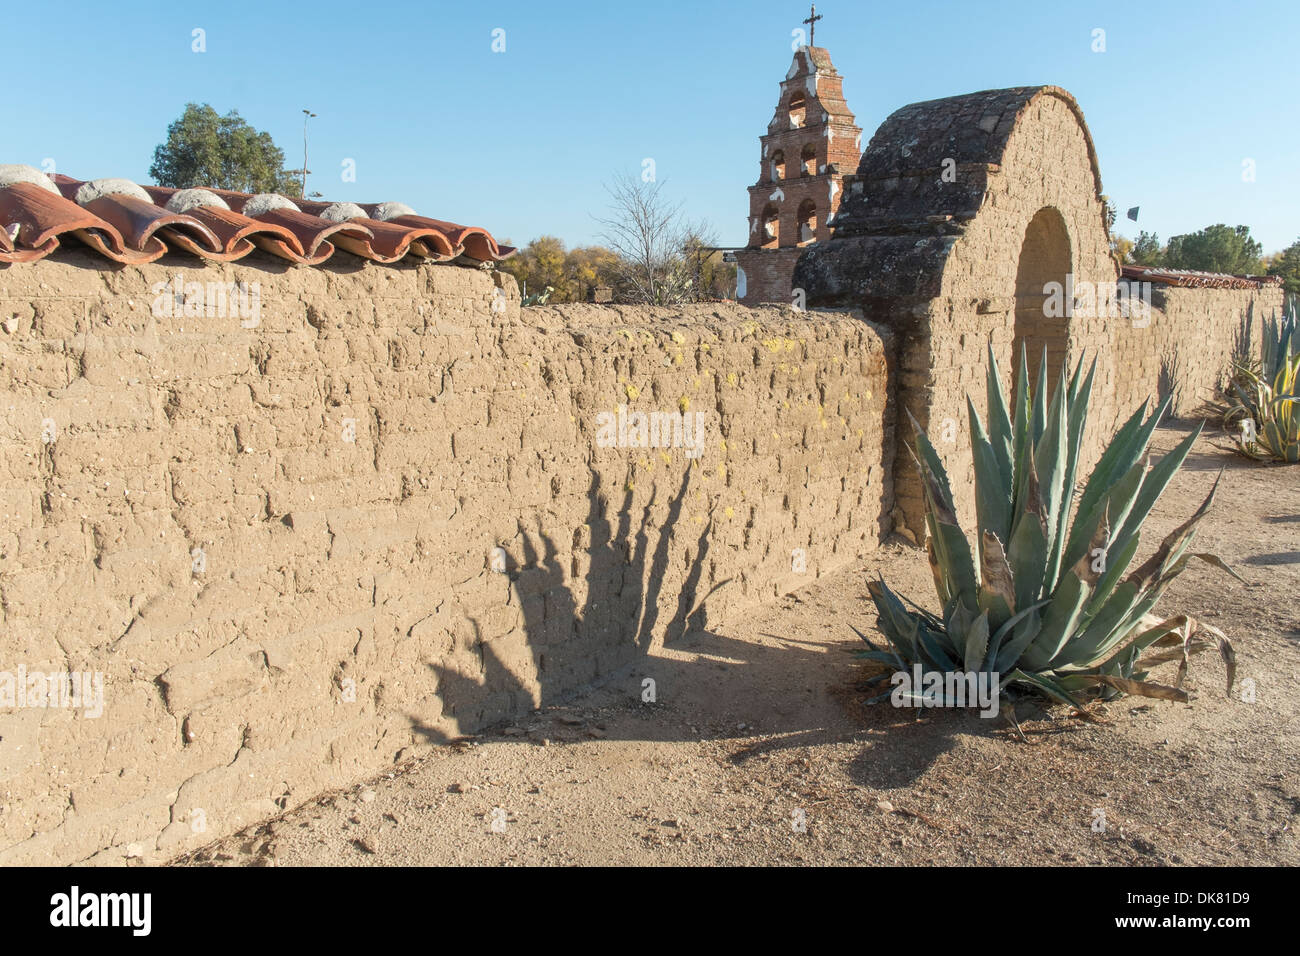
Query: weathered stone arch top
(901, 214)
(900, 177)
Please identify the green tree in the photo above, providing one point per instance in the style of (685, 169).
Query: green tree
(1216, 248)
(204, 148)
(571, 274)
(1287, 265)
(590, 266)
(1146, 251)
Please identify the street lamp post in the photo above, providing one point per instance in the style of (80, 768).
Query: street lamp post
(307, 114)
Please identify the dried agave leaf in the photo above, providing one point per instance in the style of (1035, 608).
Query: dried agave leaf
(1149, 573)
(1085, 567)
(1139, 688)
(995, 572)
(1195, 647)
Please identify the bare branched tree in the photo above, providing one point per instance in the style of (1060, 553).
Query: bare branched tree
(646, 230)
(663, 258)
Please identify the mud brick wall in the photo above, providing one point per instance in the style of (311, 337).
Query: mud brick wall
(1188, 346)
(278, 543)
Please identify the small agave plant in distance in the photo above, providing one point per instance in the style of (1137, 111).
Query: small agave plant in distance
(1267, 399)
(1047, 600)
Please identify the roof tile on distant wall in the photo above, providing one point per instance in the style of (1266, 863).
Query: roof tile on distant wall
(1192, 279)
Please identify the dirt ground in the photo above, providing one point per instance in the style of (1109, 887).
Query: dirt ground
(759, 750)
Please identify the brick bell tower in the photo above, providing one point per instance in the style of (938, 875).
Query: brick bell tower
(811, 144)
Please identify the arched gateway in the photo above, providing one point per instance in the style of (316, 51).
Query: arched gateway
(962, 215)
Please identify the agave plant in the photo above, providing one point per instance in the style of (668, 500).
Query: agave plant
(1267, 397)
(1046, 599)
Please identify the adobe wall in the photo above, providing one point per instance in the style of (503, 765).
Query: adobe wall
(282, 603)
(1187, 346)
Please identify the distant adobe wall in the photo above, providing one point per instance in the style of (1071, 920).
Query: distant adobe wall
(1188, 345)
(275, 539)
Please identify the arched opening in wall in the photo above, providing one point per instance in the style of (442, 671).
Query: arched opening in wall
(771, 228)
(1041, 300)
(808, 160)
(807, 222)
(777, 166)
(798, 109)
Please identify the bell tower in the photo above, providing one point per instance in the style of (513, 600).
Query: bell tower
(810, 145)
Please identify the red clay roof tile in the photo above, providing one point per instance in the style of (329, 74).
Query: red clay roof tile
(1189, 278)
(132, 224)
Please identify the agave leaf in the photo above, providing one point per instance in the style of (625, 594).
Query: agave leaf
(1085, 568)
(1051, 462)
(1229, 655)
(1027, 553)
(1046, 685)
(1177, 653)
(992, 494)
(1117, 561)
(1077, 409)
(956, 630)
(952, 550)
(1022, 447)
(960, 569)
(1142, 688)
(1208, 558)
(1153, 485)
(997, 594)
(1000, 430)
(977, 642)
(1059, 623)
(1109, 627)
(929, 461)
(1087, 646)
(933, 620)
(888, 658)
(1038, 419)
(898, 626)
(1005, 654)
(940, 580)
(1174, 630)
(1124, 451)
(933, 652)
(1117, 506)
(1154, 568)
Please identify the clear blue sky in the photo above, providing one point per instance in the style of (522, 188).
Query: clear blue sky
(520, 141)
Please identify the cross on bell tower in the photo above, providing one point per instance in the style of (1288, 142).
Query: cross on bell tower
(813, 17)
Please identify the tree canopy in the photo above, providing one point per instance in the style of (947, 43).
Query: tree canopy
(1147, 251)
(1287, 265)
(1216, 248)
(204, 148)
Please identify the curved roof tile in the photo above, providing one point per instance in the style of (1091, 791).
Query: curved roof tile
(131, 224)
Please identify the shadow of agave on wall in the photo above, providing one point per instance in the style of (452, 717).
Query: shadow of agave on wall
(565, 635)
(1169, 382)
